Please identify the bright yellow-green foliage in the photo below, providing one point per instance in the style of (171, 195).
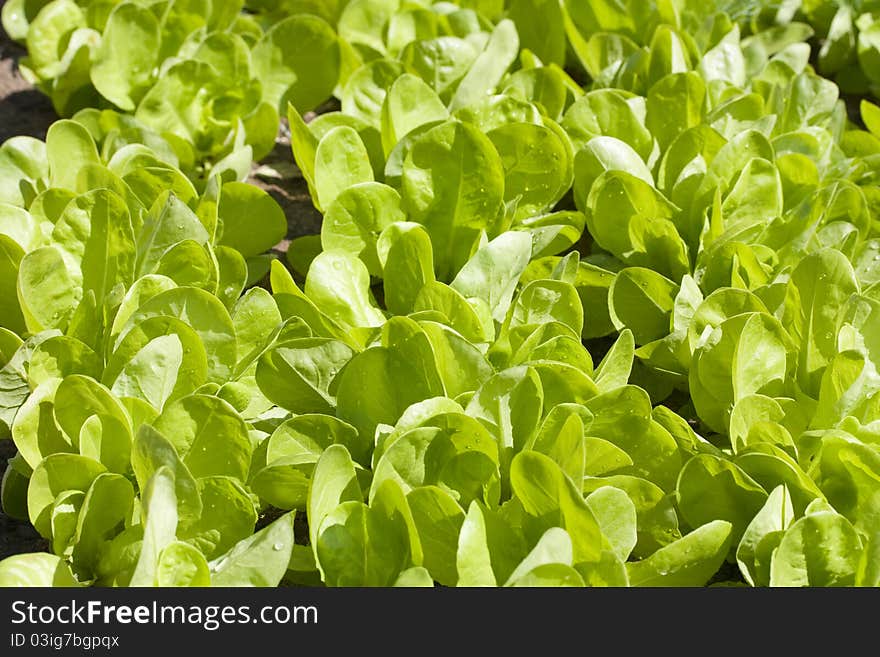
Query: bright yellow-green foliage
(595, 301)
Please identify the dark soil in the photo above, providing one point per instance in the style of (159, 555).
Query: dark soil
(16, 536)
(26, 111)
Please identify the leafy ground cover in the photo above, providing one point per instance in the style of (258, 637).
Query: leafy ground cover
(595, 298)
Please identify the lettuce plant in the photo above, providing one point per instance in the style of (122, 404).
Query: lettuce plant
(551, 333)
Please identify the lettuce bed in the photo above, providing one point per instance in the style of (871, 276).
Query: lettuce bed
(596, 298)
